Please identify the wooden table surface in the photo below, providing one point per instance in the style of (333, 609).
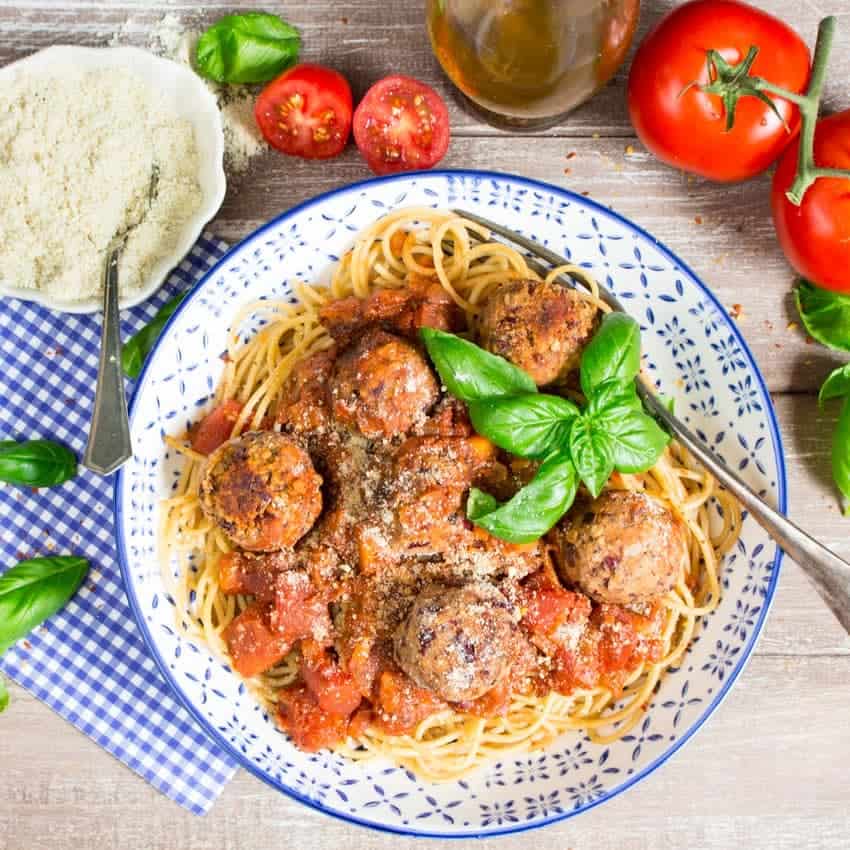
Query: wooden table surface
(770, 768)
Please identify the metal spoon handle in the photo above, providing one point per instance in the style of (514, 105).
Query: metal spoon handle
(109, 442)
(829, 573)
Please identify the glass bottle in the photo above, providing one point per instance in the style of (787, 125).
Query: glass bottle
(527, 63)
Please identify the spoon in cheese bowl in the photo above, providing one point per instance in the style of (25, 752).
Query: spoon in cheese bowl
(109, 443)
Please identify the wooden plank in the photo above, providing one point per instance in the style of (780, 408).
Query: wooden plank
(769, 770)
(366, 40)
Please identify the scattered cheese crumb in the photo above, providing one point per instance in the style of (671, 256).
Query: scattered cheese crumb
(791, 326)
(629, 149)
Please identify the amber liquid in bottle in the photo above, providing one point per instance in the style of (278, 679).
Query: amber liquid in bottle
(526, 63)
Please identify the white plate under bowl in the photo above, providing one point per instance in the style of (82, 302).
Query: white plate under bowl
(190, 99)
(695, 353)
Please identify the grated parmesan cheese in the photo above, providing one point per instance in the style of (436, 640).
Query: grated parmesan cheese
(77, 150)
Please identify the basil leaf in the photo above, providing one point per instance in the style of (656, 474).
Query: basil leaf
(841, 452)
(533, 510)
(591, 454)
(836, 385)
(36, 463)
(469, 372)
(4, 696)
(636, 441)
(825, 315)
(614, 352)
(253, 47)
(613, 398)
(525, 425)
(480, 503)
(33, 590)
(137, 348)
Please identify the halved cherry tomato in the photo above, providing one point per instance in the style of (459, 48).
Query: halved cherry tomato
(215, 428)
(401, 125)
(815, 236)
(306, 112)
(684, 126)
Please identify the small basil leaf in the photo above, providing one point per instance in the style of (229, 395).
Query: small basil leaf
(525, 425)
(533, 510)
(825, 314)
(253, 47)
(836, 385)
(4, 696)
(137, 348)
(591, 454)
(36, 463)
(636, 441)
(469, 372)
(34, 590)
(613, 398)
(480, 503)
(841, 452)
(614, 352)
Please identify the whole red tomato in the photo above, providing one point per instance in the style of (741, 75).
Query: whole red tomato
(686, 127)
(815, 236)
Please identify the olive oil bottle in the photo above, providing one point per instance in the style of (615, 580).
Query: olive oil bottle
(527, 63)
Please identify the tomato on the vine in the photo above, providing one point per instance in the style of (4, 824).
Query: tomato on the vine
(685, 126)
(306, 112)
(815, 235)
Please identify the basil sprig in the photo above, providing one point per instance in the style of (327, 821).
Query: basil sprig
(137, 348)
(611, 432)
(4, 696)
(837, 385)
(34, 590)
(36, 463)
(253, 47)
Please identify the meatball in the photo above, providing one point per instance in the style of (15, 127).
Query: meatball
(382, 386)
(262, 491)
(540, 327)
(625, 548)
(456, 641)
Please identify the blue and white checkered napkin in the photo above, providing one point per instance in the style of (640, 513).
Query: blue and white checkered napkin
(89, 662)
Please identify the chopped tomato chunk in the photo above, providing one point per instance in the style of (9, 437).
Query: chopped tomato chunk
(252, 575)
(334, 689)
(403, 705)
(552, 612)
(216, 427)
(310, 727)
(299, 612)
(252, 645)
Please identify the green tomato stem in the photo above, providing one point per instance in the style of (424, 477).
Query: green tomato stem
(733, 81)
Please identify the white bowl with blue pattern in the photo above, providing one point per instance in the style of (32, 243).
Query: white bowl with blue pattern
(695, 354)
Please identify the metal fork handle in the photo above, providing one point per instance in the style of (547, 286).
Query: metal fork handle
(829, 573)
(109, 444)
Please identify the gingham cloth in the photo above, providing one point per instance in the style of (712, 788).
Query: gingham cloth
(89, 662)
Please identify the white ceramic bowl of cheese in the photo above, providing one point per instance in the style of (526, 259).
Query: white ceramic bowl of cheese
(191, 100)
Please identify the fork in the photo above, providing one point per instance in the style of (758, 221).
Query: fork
(829, 573)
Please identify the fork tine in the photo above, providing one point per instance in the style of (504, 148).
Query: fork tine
(537, 250)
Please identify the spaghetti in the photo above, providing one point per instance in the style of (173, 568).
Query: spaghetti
(448, 744)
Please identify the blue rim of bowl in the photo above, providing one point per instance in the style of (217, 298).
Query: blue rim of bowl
(781, 482)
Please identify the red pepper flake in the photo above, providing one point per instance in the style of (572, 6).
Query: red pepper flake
(344, 20)
(224, 357)
(697, 219)
(567, 170)
(630, 149)
(571, 155)
(737, 312)
(585, 194)
(26, 645)
(809, 340)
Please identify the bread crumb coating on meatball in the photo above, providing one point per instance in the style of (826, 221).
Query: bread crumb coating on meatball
(456, 640)
(382, 386)
(262, 491)
(540, 327)
(625, 548)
